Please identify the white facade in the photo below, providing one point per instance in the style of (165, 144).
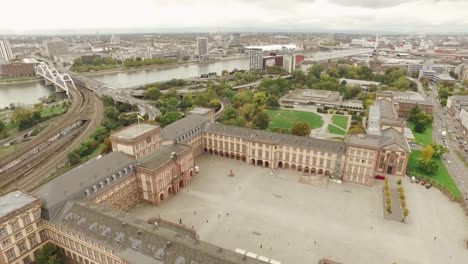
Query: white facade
(202, 46)
(255, 58)
(464, 118)
(5, 50)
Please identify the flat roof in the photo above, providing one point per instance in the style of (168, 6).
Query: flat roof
(134, 131)
(161, 156)
(310, 95)
(13, 201)
(201, 110)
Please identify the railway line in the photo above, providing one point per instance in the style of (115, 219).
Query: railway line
(31, 172)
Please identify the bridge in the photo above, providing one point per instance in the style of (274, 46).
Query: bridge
(52, 76)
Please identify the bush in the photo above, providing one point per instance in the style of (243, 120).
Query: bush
(403, 204)
(402, 196)
(399, 182)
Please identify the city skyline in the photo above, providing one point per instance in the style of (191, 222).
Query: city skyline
(427, 16)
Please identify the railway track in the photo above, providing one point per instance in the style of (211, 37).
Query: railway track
(60, 123)
(40, 167)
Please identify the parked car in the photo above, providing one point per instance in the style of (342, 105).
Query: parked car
(379, 177)
(423, 183)
(428, 186)
(417, 180)
(413, 179)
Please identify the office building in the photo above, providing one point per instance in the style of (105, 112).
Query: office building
(16, 69)
(255, 58)
(202, 46)
(56, 48)
(5, 50)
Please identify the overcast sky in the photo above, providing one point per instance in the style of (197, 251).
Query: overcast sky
(26, 16)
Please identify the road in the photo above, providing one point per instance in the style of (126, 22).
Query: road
(443, 121)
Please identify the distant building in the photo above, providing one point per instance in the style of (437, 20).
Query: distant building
(312, 97)
(464, 118)
(235, 39)
(272, 60)
(56, 48)
(208, 112)
(16, 69)
(255, 58)
(365, 85)
(455, 103)
(88, 59)
(202, 46)
(5, 50)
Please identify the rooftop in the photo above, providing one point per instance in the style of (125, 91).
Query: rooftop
(201, 110)
(134, 131)
(137, 241)
(277, 138)
(459, 98)
(161, 156)
(184, 125)
(358, 82)
(72, 184)
(14, 201)
(309, 95)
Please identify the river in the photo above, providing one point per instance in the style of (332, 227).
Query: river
(23, 93)
(132, 78)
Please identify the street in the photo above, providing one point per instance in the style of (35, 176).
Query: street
(445, 122)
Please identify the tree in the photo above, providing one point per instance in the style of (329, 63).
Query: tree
(73, 158)
(261, 120)
(152, 93)
(399, 182)
(229, 114)
(427, 152)
(356, 129)
(419, 127)
(272, 102)
(169, 118)
(402, 83)
(112, 113)
(259, 99)
(107, 100)
(49, 254)
(405, 212)
(428, 166)
(2, 126)
(301, 129)
(439, 150)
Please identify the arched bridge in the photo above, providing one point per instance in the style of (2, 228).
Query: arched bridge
(52, 76)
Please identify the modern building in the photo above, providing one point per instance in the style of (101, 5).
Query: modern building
(16, 69)
(235, 39)
(208, 112)
(202, 46)
(255, 58)
(56, 47)
(456, 102)
(365, 85)
(312, 97)
(5, 51)
(464, 118)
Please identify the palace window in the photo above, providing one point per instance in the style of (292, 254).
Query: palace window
(18, 235)
(22, 247)
(14, 225)
(328, 163)
(27, 260)
(3, 232)
(26, 219)
(33, 240)
(321, 162)
(6, 242)
(10, 254)
(37, 214)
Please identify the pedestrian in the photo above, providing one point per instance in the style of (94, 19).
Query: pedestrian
(207, 220)
(315, 242)
(227, 214)
(195, 212)
(435, 237)
(270, 248)
(219, 215)
(180, 221)
(261, 246)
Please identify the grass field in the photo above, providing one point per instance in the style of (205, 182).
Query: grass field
(441, 176)
(422, 138)
(336, 130)
(284, 118)
(50, 111)
(340, 121)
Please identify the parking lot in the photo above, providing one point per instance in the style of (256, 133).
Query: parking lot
(277, 217)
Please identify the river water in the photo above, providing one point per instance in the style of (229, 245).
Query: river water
(139, 77)
(23, 93)
(30, 92)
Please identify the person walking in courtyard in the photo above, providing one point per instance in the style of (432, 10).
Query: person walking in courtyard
(435, 237)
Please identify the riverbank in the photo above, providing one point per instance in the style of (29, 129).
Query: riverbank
(9, 81)
(157, 66)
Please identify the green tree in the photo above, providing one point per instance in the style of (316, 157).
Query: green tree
(107, 100)
(261, 120)
(73, 158)
(315, 70)
(152, 93)
(112, 113)
(405, 212)
(229, 114)
(49, 254)
(272, 102)
(428, 166)
(427, 152)
(301, 129)
(259, 99)
(2, 126)
(169, 118)
(402, 83)
(439, 150)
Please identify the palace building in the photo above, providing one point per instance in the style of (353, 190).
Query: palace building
(82, 211)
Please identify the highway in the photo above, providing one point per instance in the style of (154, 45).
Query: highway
(443, 121)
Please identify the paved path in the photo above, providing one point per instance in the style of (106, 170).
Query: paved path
(302, 223)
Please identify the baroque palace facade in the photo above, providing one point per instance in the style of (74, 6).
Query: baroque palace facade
(82, 211)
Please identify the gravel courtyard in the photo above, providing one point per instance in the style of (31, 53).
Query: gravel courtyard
(277, 217)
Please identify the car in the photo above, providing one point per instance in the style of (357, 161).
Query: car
(379, 177)
(417, 180)
(423, 183)
(428, 186)
(413, 179)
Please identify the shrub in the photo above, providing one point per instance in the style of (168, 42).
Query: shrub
(399, 182)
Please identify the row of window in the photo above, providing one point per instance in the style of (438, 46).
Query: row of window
(82, 249)
(15, 224)
(21, 246)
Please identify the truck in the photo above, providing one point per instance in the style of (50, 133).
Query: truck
(444, 133)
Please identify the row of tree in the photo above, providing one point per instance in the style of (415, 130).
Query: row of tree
(420, 119)
(427, 163)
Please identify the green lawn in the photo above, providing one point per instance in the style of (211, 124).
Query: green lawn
(50, 111)
(336, 130)
(441, 176)
(284, 118)
(422, 138)
(340, 121)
